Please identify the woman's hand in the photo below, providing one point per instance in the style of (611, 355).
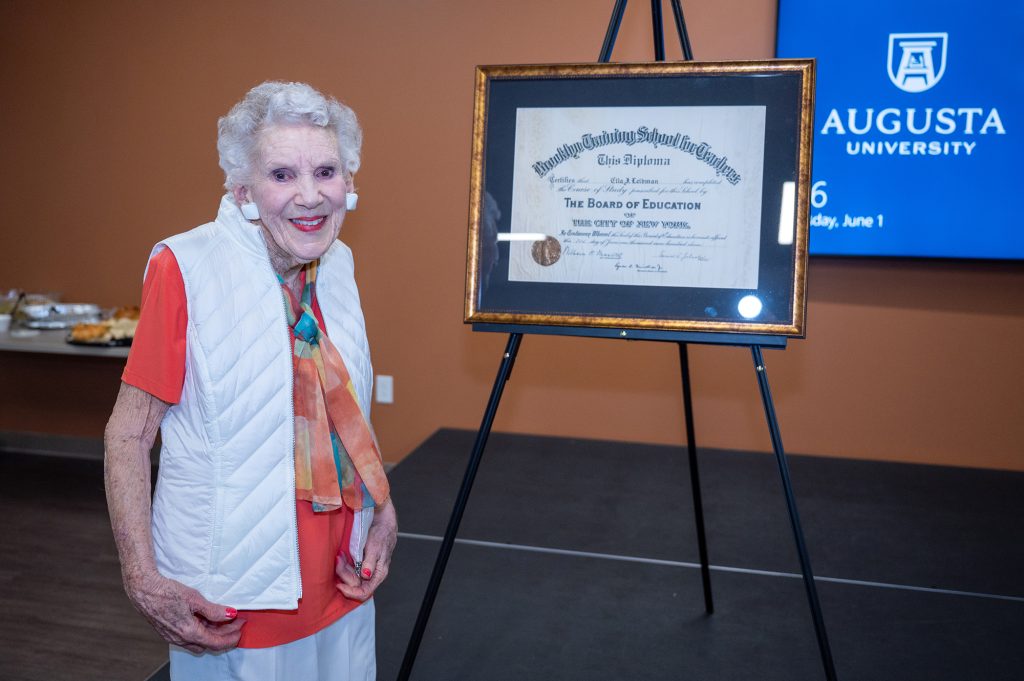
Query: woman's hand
(182, 616)
(380, 543)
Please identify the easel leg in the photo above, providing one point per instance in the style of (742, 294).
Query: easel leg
(613, 31)
(794, 517)
(698, 504)
(659, 31)
(504, 371)
(684, 36)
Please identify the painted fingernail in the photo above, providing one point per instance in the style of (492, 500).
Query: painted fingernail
(366, 573)
(230, 613)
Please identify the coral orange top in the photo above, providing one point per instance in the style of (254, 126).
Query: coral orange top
(156, 364)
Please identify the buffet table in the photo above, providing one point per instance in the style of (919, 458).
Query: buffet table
(57, 396)
(52, 342)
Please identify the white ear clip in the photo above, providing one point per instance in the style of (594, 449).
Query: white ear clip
(351, 199)
(250, 211)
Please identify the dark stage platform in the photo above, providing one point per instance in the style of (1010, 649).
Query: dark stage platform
(580, 562)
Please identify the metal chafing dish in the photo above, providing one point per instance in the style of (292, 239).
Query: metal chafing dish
(57, 315)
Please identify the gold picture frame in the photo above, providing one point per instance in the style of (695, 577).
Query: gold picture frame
(682, 190)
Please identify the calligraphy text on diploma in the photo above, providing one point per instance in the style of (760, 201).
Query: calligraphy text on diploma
(645, 196)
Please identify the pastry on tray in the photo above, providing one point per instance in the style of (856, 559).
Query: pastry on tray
(88, 333)
(119, 329)
(126, 312)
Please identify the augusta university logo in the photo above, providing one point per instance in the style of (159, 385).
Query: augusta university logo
(917, 60)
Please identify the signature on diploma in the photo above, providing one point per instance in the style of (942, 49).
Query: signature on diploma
(640, 267)
(683, 255)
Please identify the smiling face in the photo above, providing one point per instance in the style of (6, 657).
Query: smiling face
(299, 188)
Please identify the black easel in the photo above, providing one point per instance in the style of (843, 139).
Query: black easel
(681, 339)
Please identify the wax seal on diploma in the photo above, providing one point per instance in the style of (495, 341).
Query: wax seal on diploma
(546, 252)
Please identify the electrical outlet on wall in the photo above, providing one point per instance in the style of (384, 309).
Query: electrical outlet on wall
(385, 389)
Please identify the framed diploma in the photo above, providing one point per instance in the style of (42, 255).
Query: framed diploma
(664, 196)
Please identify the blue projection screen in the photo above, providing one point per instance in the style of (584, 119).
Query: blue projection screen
(918, 145)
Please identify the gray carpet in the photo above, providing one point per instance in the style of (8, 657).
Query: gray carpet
(63, 613)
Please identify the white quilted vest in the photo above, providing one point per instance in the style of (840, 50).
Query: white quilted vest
(224, 509)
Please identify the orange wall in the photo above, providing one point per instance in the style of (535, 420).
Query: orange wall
(109, 112)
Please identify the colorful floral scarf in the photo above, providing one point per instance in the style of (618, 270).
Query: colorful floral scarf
(333, 441)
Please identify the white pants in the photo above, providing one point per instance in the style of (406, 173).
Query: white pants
(344, 651)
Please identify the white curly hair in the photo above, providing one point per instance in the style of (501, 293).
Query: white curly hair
(273, 103)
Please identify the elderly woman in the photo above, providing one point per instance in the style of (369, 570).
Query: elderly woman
(271, 524)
